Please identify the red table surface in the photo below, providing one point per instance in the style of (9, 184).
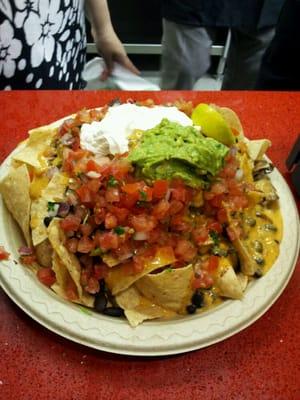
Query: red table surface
(261, 362)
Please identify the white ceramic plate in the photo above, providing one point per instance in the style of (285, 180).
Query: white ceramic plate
(152, 338)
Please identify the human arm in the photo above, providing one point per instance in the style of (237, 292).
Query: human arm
(106, 40)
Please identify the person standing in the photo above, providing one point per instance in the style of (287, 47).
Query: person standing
(186, 42)
(43, 42)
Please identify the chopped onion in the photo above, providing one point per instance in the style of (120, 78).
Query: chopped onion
(53, 212)
(125, 256)
(93, 174)
(25, 251)
(233, 151)
(67, 139)
(239, 174)
(51, 172)
(63, 210)
(72, 198)
(140, 236)
(168, 194)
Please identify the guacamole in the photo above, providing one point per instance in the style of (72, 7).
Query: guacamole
(170, 150)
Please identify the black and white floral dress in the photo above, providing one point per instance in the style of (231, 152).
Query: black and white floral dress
(42, 44)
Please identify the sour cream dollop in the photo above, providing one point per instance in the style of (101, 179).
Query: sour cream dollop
(111, 134)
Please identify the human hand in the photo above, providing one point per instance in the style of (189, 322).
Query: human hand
(112, 50)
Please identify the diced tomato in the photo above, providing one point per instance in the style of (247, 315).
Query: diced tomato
(94, 185)
(238, 202)
(112, 195)
(217, 201)
(215, 226)
(66, 126)
(84, 194)
(160, 188)
(179, 223)
(99, 214)
(120, 212)
(175, 207)
(228, 171)
(128, 200)
(185, 250)
(71, 290)
(85, 245)
(46, 276)
(83, 116)
(4, 255)
(218, 188)
(93, 166)
(179, 194)
(70, 223)
(86, 229)
(200, 235)
(108, 240)
(100, 271)
(222, 215)
(161, 209)
(92, 286)
(213, 263)
(205, 281)
(72, 244)
(76, 143)
(143, 223)
(28, 260)
(120, 168)
(111, 221)
(133, 188)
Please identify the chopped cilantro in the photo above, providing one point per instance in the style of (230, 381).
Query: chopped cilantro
(217, 251)
(143, 195)
(51, 206)
(112, 182)
(96, 252)
(215, 237)
(85, 310)
(119, 230)
(170, 269)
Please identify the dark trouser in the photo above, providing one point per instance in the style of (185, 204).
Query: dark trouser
(186, 56)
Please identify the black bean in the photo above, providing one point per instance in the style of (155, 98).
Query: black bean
(191, 308)
(198, 299)
(47, 221)
(102, 285)
(258, 246)
(250, 221)
(100, 302)
(270, 227)
(114, 311)
(259, 260)
(258, 273)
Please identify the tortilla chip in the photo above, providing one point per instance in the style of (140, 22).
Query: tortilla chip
(229, 284)
(119, 280)
(15, 191)
(243, 280)
(138, 309)
(231, 118)
(170, 288)
(246, 165)
(63, 277)
(38, 142)
(69, 260)
(257, 148)
(54, 192)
